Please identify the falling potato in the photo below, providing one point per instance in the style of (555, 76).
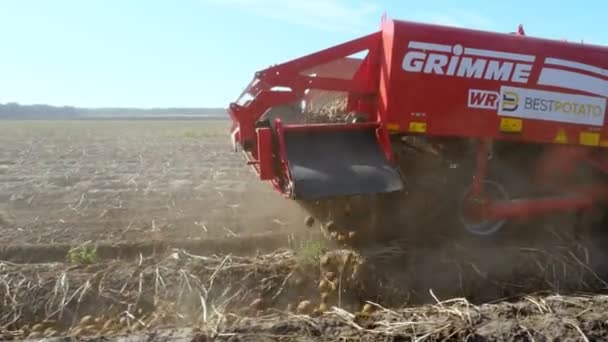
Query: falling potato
(352, 234)
(368, 309)
(333, 287)
(324, 285)
(304, 307)
(324, 260)
(322, 307)
(330, 226)
(330, 275)
(309, 221)
(327, 286)
(324, 297)
(356, 272)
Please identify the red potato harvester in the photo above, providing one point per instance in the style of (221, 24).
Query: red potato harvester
(438, 84)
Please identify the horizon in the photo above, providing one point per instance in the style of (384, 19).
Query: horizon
(202, 53)
(108, 107)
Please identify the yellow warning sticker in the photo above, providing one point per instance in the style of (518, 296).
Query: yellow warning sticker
(392, 127)
(589, 139)
(417, 127)
(511, 125)
(561, 137)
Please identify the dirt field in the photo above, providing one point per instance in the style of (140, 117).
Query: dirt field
(76, 181)
(156, 230)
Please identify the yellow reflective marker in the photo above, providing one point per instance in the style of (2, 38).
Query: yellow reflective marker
(589, 139)
(417, 127)
(392, 127)
(561, 137)
(511, 125)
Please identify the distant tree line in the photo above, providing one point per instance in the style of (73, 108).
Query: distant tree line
(13, 110)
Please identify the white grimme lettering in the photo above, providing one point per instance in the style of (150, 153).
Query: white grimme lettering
(498, 71)
(522, 73)
(414, 61)
(435, 63)
(469, 67)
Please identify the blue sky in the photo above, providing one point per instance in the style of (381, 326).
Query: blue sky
(159, 53)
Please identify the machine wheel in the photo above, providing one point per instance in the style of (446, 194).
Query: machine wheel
(494, 191)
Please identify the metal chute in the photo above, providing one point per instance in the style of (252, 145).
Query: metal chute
(338, 163)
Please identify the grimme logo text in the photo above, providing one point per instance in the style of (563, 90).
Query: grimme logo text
(459, 61)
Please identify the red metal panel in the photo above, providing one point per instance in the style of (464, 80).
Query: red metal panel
(266, 168)
(385, 70)
(432, 70)
(579, 198)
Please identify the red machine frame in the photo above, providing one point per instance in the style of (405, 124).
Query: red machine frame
(378, 89)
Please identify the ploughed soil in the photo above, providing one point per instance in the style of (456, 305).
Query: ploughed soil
(69, 182)
(545, 318)
(290, 294)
